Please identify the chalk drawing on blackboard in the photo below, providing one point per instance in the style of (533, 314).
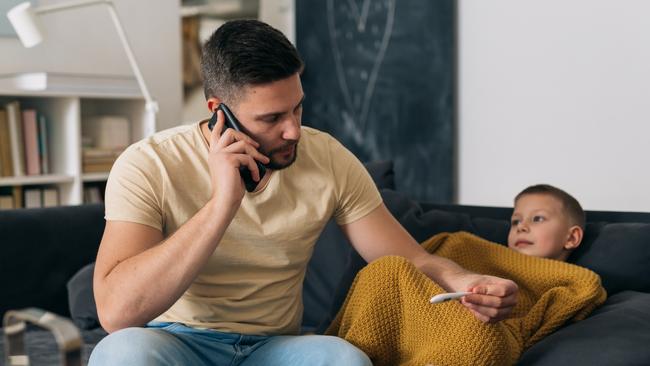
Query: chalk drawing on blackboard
(358, 86)
(385, 91)
(363, 17)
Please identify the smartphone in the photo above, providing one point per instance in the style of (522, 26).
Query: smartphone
(232, 122)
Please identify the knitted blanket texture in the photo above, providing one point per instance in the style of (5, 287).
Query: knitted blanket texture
(387, 313)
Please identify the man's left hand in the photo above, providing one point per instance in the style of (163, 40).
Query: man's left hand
(492, 298)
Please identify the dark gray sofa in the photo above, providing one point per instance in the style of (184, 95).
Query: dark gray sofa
(41, 250)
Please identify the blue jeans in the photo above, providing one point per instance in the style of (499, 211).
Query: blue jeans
(177, 344)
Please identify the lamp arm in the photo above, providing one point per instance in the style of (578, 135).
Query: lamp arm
(151, 105)
(68, 5)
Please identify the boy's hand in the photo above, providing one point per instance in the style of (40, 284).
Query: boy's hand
(492, 298)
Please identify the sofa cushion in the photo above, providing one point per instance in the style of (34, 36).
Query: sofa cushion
(382, 173)
(332, 255)
(420, 223)
(617, 333)
(619, 253)
(81, 300)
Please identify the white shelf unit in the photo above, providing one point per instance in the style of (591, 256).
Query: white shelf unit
(64, 112)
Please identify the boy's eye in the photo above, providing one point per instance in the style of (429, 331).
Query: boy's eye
(515, 222)
(538, 218)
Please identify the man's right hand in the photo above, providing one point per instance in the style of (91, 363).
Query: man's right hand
(228, 151)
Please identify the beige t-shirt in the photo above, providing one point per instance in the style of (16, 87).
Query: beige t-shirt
(252, 283)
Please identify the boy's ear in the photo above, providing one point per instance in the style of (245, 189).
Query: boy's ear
(575, 237)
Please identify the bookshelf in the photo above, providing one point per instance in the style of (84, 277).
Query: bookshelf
(67, 102)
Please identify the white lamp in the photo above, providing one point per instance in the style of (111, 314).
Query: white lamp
(25, 20)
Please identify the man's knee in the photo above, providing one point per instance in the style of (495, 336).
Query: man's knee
(131, 346)
(335, 350)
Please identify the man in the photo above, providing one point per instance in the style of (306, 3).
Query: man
(192, 269)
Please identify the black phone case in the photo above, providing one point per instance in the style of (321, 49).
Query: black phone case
(232, 122)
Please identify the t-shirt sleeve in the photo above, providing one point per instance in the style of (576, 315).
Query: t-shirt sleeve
(357, 193)
(133, 189)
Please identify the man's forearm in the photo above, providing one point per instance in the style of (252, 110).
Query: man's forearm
(439, 269)
(142, 287)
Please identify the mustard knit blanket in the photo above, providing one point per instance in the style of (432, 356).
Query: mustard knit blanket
(387, 312)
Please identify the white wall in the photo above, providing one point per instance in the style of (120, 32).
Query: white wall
(280, 14)
(555, 91)
(84, 41)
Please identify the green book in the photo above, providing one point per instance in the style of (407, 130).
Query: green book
(42, 144)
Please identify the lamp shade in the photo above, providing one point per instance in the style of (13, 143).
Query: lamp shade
(25, 23)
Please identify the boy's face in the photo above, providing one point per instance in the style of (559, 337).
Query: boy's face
(540, 227)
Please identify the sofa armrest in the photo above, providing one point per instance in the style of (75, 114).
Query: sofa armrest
(41, 249)
(67, 336)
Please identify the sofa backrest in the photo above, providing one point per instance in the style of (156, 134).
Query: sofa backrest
(40, 249)
(504, 213)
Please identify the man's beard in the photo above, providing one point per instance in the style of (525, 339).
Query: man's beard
(275, 165)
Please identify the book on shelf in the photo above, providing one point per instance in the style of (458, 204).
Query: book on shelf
(6, 202)
(93, 194)
(11, 197)
(7, 168)
(107, 132)
(18, 196)
(16, 137)
(23, 142)
(50, 197)
(98, 160)
(33, 197)
(97, 167)
(6, 198)
(29, 197)
(43, 145)
(31, 136)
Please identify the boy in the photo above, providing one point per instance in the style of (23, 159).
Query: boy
(546, 222)
(388, 316)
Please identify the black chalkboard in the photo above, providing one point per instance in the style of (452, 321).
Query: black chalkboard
(380, 77)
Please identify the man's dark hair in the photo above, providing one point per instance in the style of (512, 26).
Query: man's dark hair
(571, 205)
(246, 52)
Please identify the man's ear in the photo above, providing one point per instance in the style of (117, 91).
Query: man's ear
(575, 237)
(213, 103)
